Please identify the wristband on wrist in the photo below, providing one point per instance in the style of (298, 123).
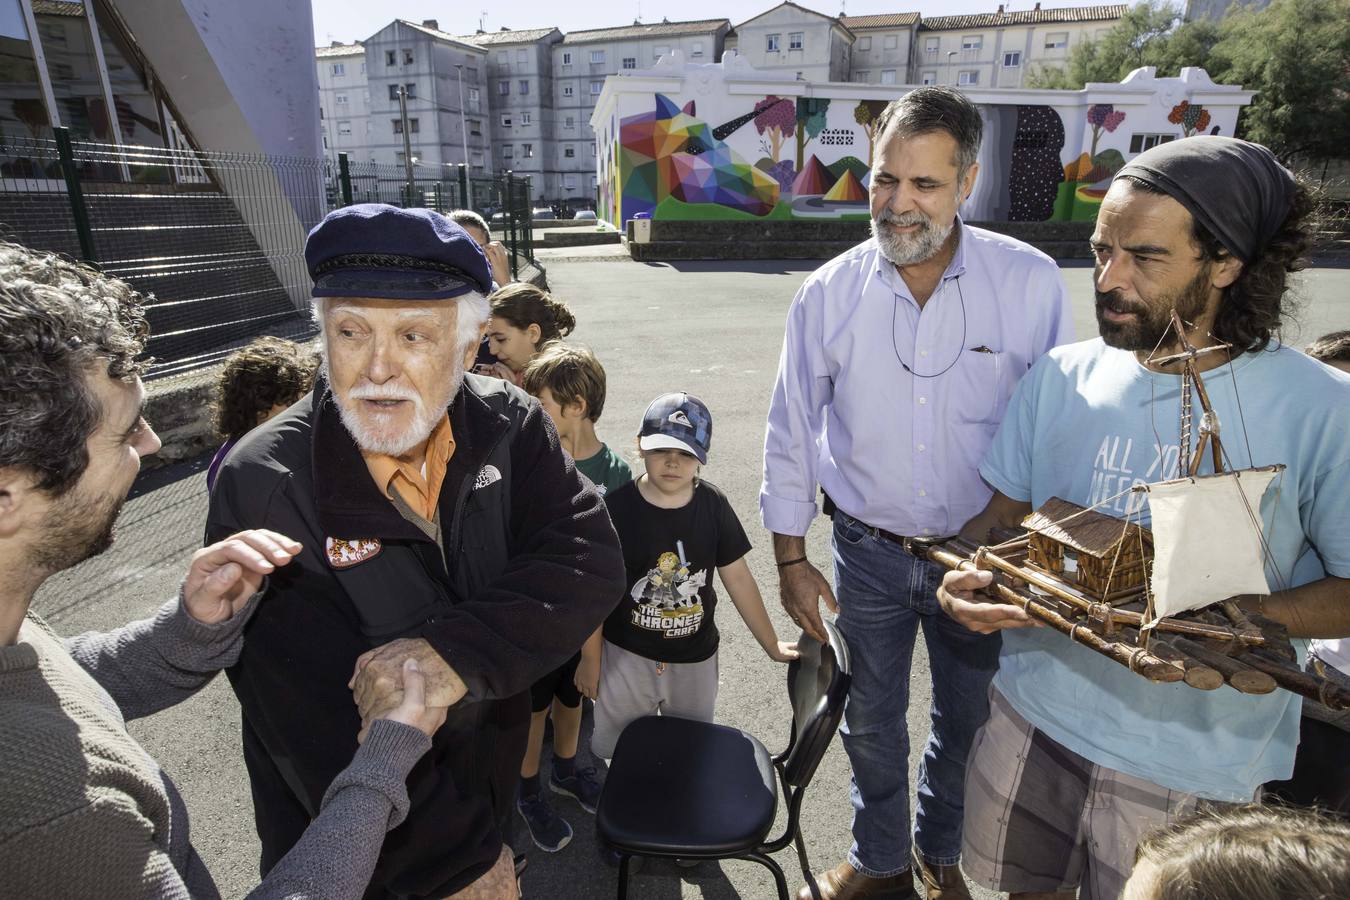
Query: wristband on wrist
(792, 562)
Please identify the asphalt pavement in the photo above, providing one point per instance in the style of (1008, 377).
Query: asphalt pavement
(712, 329)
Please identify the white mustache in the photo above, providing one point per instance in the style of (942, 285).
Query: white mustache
(889, 218)
(383, 392)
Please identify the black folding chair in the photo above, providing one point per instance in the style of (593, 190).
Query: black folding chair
(679, 789)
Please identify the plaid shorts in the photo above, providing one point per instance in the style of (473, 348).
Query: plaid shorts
(1039, 817)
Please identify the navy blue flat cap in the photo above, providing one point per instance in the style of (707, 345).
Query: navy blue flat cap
(385, 252)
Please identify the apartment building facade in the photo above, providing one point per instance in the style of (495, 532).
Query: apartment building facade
(447, 108)
(344, 99)
(881, 47)
(1001, 49)
(809, 45)
(582, 61)
(520, 117)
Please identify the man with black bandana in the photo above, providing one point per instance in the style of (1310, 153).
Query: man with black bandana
(1080, 755)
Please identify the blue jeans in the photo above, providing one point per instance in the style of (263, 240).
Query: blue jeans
(885, 596)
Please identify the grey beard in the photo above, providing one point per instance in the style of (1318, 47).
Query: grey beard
(425, 421)
(915, 248)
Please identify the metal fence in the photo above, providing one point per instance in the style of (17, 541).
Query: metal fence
(214, 239)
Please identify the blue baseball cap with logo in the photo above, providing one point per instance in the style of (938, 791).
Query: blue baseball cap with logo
(389, 253)
(677, 421)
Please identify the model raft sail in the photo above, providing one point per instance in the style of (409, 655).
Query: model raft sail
(1160, 602)
(1210, 543)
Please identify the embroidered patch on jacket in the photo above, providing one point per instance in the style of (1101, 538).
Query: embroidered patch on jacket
(486, 475)
(343, 554)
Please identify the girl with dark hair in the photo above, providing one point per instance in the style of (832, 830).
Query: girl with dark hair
(524, 319)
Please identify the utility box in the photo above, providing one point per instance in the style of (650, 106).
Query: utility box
(642, 231)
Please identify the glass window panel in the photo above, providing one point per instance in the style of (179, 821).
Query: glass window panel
(22, 111)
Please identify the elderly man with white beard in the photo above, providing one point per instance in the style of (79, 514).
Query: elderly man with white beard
(441, 522)
(898, 361)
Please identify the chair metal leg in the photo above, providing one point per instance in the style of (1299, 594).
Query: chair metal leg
(623, 875)
(768, 862)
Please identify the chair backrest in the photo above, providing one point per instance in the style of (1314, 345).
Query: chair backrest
(818, 684)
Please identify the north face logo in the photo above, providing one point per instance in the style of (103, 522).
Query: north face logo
(679, 418)
(486, 475)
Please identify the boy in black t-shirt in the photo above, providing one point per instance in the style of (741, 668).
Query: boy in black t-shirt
(657, 652)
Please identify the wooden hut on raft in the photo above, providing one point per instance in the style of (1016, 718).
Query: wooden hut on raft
(1105, 558)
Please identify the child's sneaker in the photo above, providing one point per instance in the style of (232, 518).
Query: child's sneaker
(549, 831)
(582, 786)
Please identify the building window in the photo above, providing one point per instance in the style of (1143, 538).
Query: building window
(339, 69)
(570, 182)
(930, 46)
(474, 99)
(696, 49)
(527, 150)
(596, 86)
(345, 129)
(502, 58)
(411, 89)
(659, 52)
(569, 151)
(928, 78)
(1141, 142)
(630, 62)
(504, 87)
(591, 148)
(773, 40)
(476, 127)
(888, 76)
(795, 40)
(1057, 40)
(597, 57)
(865, 43)
(892, 41)
(413, 126)
(340, 99)
(325, 142)
(970, 76)
(567, 57)
(524, 87)
(476, 159)
(506, 120)
(522, 56)
(567, 90)
(972, 42)
(861, 76)
(1012, 59)
(400, 157)
(571, 122)
(363, 68)
(407, 57)
(390, 58)
(526, 118)
(507, 151)
(393, 92)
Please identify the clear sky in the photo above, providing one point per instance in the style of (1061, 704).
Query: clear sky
(349, 20)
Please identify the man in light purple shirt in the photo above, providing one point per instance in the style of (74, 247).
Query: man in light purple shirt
(898, 361)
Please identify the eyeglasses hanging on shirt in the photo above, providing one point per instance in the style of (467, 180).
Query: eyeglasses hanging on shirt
(961, 348)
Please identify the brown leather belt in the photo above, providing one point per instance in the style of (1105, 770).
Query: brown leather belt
(914, 546)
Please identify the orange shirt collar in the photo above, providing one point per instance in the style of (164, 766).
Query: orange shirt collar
(420, 492)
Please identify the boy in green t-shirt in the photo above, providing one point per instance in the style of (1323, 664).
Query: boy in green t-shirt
(570, 385)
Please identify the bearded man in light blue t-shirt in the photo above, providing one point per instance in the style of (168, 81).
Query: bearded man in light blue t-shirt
(1080, 755)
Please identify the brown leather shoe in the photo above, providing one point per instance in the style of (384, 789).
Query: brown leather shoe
(845, 883)
(940, 882)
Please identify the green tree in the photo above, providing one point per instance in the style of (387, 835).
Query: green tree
(1296, 55)
(1132, 42)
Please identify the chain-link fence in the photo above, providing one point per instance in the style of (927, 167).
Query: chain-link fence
(217, 238)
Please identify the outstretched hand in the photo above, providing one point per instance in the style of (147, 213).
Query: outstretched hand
(377, 682)
(960, 595)
(223, 576)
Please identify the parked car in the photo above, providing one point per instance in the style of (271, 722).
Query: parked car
(543, 212)
(586, 215)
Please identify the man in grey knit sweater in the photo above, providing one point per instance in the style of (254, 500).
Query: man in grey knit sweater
(84, 810)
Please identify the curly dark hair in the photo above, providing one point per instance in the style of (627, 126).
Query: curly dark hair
(269, 372)
(1331, 348)
(522, 304)
(1254, 306)
(60, 322)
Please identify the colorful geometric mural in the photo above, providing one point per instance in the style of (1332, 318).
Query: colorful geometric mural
(798, 152)
(669, 152)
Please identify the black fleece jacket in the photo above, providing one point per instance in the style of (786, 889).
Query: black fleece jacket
(531, 566)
